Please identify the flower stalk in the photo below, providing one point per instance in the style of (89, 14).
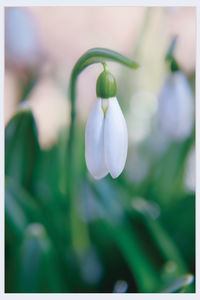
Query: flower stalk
(92, 56)
(173, 65)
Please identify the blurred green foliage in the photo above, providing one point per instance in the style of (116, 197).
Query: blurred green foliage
(118, 232)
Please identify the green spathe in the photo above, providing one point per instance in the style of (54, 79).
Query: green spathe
(106, 85)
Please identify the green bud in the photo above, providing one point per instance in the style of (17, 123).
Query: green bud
(106, 85)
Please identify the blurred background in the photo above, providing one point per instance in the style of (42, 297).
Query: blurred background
(135, 234)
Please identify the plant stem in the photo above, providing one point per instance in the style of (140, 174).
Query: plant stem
(95, 55)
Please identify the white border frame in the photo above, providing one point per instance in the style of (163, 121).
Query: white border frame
(3, 4)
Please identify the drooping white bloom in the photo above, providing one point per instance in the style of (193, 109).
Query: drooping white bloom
(176, 107)
(22, 40)
(106, 139)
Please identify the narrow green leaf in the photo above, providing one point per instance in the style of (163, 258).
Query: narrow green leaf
(177, 284)
(166, 244)
(129, 245)
(21, 197)
(15, 217)
(49, 186)
(21, 147)
(38, 270)
(126, 240)
(149, 217)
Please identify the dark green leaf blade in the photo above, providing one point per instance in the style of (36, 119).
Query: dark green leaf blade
(21, 147)
(177, 284)
(38, 267)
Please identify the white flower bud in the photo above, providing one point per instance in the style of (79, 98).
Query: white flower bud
(176, 107)
(106, 139)
(22, 41)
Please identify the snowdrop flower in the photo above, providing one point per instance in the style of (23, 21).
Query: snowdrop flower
(176, 107)
(22, 41)
(106, 137)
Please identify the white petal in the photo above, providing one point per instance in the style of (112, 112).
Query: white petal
(115, 138)
(94, 142)
(176, 107)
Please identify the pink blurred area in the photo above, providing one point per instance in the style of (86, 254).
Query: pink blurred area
(48, 41)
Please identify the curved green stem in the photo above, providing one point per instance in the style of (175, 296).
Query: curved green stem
(173, 65)
(170, 51)
(92, 56)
